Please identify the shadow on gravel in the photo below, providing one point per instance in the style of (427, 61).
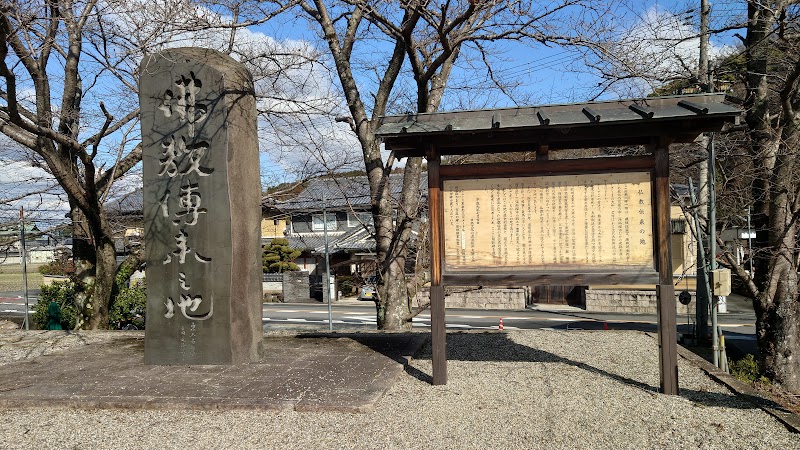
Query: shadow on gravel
(493, 346)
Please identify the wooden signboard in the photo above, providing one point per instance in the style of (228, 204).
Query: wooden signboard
(554, 221)
(549, 223)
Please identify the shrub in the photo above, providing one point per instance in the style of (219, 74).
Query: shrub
(63, 293)
(346, 285)
(278, 257)
(129, 307)
(746, 369)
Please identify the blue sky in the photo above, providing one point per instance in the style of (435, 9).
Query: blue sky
(541, 74)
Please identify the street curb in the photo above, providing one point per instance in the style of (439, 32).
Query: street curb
(768, 405)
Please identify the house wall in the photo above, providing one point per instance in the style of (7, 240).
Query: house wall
(272, 227)
(308, 264)
(302, 223)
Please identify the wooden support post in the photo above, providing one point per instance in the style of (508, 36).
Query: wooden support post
(667, 321)
(436, 208)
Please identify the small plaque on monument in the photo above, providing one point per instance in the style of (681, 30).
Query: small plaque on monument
(202, 211)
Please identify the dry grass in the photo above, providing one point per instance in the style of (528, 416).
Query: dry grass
(11, 277)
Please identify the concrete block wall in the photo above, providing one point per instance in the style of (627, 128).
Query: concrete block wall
(478, 298)
(627, 301)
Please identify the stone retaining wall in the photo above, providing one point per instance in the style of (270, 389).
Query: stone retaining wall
(627, 301)
(478, 297)
(296, 287)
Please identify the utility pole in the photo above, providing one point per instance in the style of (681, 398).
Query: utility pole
(327, 282)
(702, 308)
(750, 243)
(712, 250)
(24, 259)
(702, 69)
(701, 262)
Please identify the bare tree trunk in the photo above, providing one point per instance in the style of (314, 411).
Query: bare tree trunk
(775, 135)
(95, 260)
(105, 270)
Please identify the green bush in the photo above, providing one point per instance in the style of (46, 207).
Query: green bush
(63, 293)
(346, 285)
(746, 369)
(129, 307)
(278, 257)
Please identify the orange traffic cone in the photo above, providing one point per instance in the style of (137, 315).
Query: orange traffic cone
(500, 327)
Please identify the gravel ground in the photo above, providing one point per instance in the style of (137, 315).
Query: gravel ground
(520, 389)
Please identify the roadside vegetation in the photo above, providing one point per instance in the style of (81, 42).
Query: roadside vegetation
(63, 293)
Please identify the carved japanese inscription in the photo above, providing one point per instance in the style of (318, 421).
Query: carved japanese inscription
(201, 209)
(550, 222)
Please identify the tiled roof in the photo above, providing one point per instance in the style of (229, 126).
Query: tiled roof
(340, 193)
(306, 242)
(126, 204)
(357, 239)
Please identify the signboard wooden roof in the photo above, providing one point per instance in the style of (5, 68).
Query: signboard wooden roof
(578, 125)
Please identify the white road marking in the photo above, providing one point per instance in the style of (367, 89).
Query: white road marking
(267, 319)
(363, 319)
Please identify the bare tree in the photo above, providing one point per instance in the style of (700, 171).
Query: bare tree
(378, 48)
(34, 37)
(772, 46)
(68, 95)
(761, 166)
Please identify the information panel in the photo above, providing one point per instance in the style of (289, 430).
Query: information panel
(559, 222)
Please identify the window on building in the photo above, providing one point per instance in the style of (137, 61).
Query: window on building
(355, 220)
(318, 224)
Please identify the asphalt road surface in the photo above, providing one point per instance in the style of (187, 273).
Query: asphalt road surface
(13, 303)
(351, 315)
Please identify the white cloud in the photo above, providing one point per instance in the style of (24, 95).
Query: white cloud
(296, 96)
(657, 47)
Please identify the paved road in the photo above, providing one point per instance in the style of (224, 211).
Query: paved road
(350, 314)
(13, 303)
(738, 324)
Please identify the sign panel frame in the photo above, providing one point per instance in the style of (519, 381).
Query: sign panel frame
(566, 274)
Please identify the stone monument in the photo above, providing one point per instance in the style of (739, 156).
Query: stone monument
(202, 197)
